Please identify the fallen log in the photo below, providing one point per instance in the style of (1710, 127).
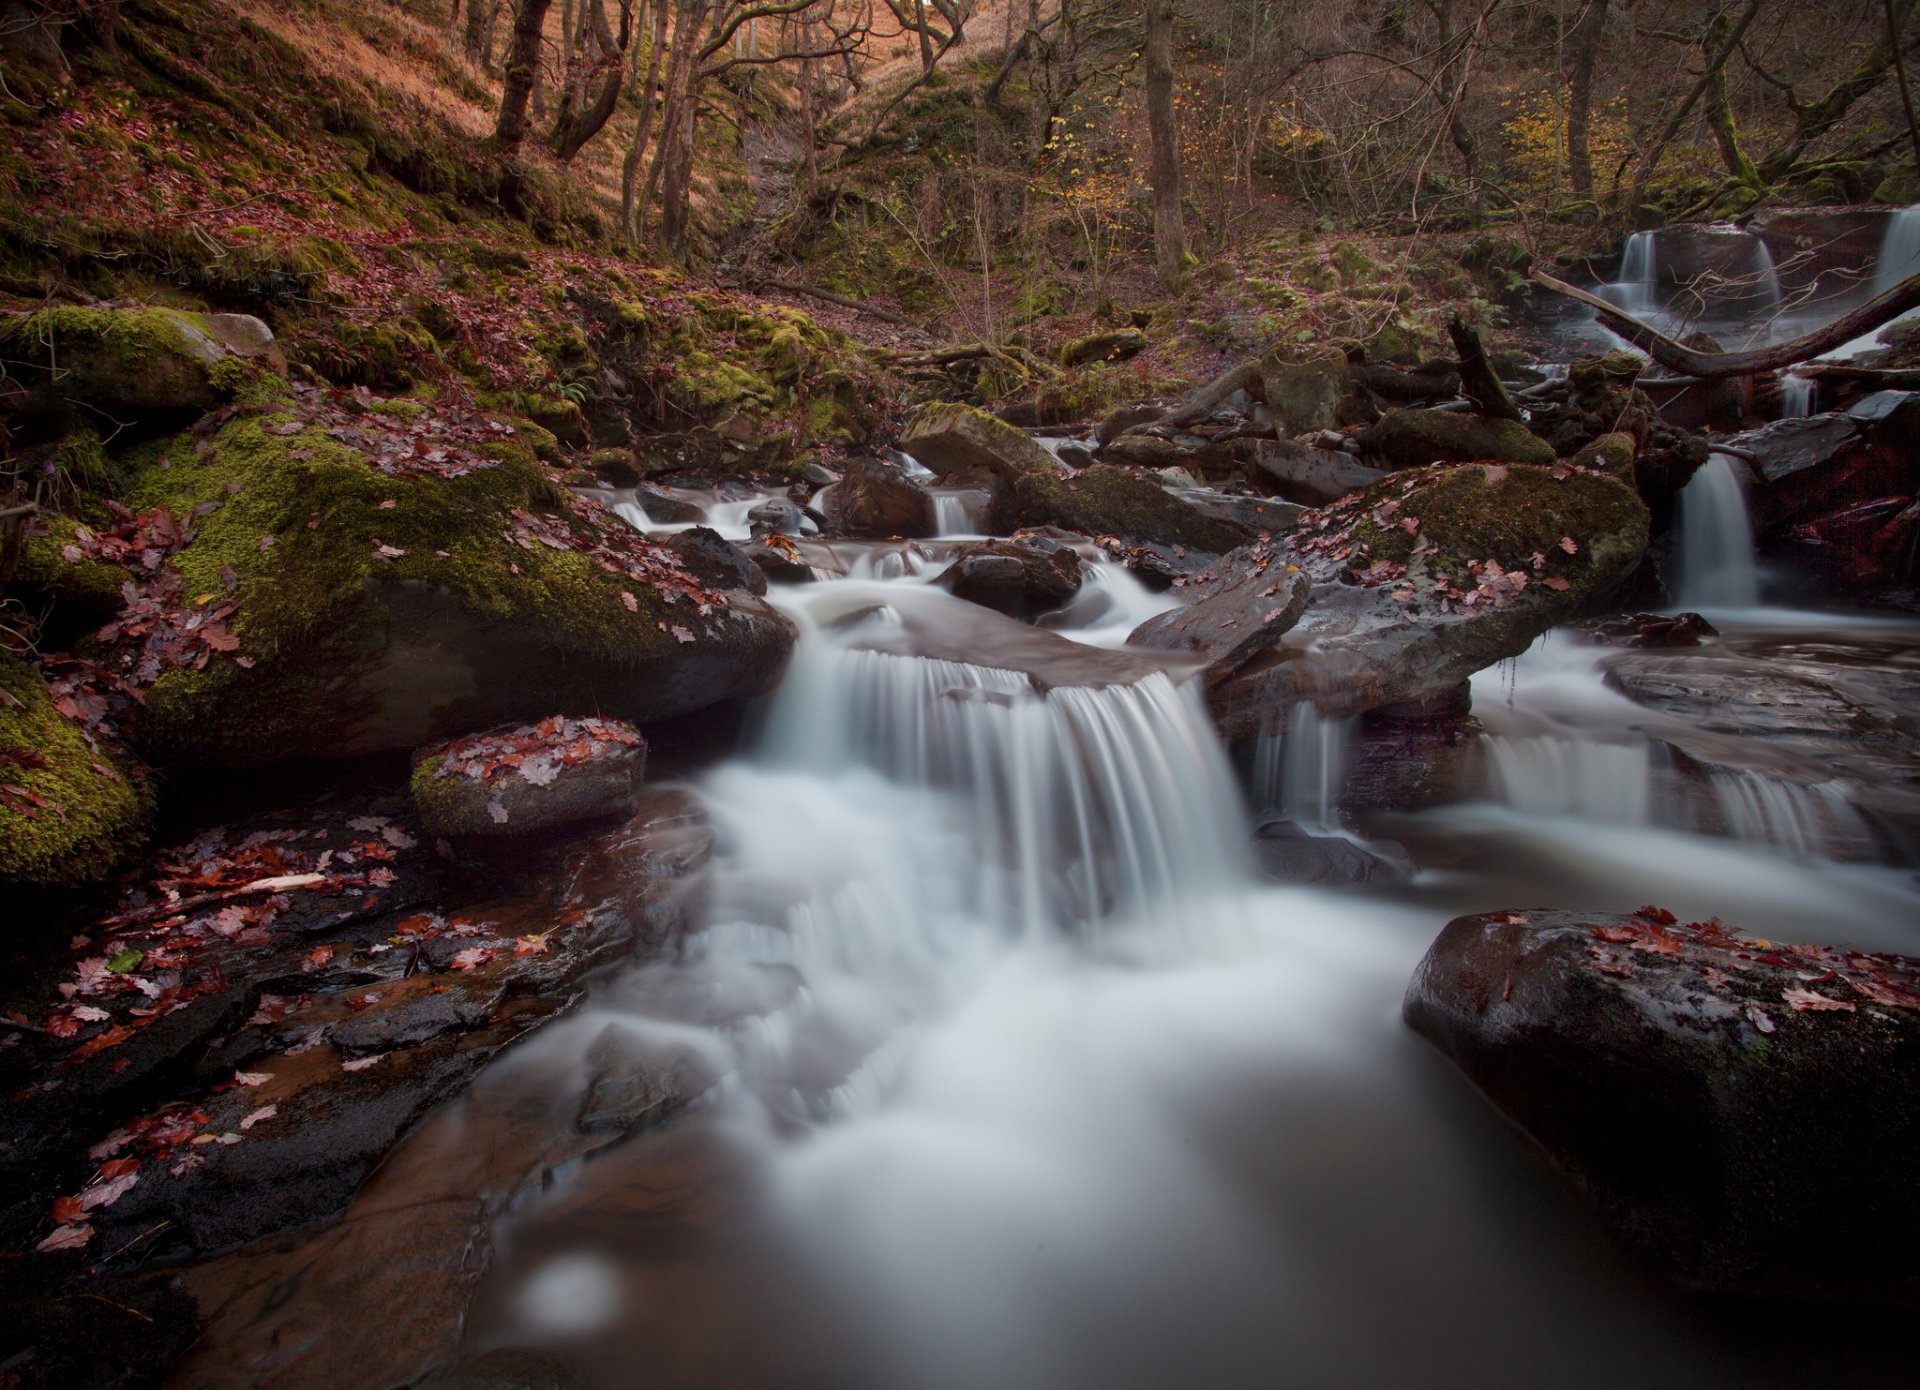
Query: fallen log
(845, 302)
(1016, 357)
(1876, 313)
(1479, 383)
(1873, 378)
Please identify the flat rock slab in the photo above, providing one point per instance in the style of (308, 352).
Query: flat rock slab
(1743, 1113)
(531, 777)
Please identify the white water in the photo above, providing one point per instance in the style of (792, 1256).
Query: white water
(1713, 541)
(1638, 288)
(1573, 775)
(1026, 1084)
(1797, 394)
(1899, 250)
(1300, 772)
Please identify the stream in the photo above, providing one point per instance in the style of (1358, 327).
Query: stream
(1022, 1076)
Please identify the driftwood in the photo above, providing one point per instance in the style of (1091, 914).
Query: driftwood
(973, 352)
(1715, 366)
(1873, 378)
(1479, 383)
(1203, 401)
(858, 306)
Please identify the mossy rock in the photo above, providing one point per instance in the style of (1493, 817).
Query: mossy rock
(1304, 393)
(70, 811)
(1108, 501)
(950, 438)
(136, 360)
(1113, 346)
(45, 572)
(1610, 453)
(384, 612)
(1417, 438)
(533, 795)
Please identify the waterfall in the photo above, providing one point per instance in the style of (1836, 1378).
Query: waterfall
(1638, 288)
(1079, 805)
(950, 515)
(1797, 396)
(1899, 250)
(1713, 541)
(1769, 810)
(1301, 772)
(1762, 280)
(1558, 774)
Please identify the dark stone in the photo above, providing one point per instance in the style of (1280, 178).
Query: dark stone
(1649, 630)
(1255, 514)
(876, 501)
(664, 508)
(549, 788)
(1147, 451)
(510, 1368)
(1109, 501)
(781, 565)
(1115, 346)
(777, 517)
(635, 1083)
(1310, 476)
(1288, 854)
(958, 441)
(1022, 577)
(715, 561)
(1416, 438)
(1744, 1145)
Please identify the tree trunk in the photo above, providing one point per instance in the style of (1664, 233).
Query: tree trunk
(1586, 52)
(1815, 119)
(630, 206)
(1169, 231)
(1726, 134)
(479, 26)
(1715, 60)
(523, 60)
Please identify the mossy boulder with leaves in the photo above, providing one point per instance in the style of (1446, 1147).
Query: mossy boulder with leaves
(129, 361)
(1416, 438)
(392, 574)
(72, 808)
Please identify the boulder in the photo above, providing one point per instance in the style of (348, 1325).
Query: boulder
(1305, 395)
(371, 595)
(1311, 476)
(72, 806)
(665, 508)
(876, 501)
(716, 561)
(1416, 438)
(530, 778)
(131, 361)
(1022, 577)
(1109, 501)
(1150, 452)
(1740, 1112)
(1610, 453)
(778, 516)
(1255, 514)
(960, 441)
(1415, 583)
(1114, 346)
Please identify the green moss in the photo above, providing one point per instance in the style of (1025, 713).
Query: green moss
(45, 571)
(297, 536)
(1505, 512)
(98, 801)
(148, 358)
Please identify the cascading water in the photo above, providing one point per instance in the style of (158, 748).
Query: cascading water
(1899, 250)
(1638, 288)
(1713, 540)
(950, 514)
(1572, 775)
(1301, 771)
(1797, 396)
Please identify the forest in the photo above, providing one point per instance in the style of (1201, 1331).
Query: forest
(924, 693)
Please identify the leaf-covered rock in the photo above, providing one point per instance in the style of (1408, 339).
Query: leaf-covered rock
(964, 442)
(1741, 1112)
(518, 781)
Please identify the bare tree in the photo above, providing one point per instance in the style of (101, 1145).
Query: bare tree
(1169, 228)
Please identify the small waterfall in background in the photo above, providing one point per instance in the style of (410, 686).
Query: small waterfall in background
(1768, 810)
(1798, 395)
(1638, 288)
(1300, 772)
(1713, 541)
(950, 516)
(1761, 280)
(1567, 775)
(1899, 250)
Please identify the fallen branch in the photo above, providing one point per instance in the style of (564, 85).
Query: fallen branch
(871, 311)
(1203, 402)
(154, 912)
(1018, 358)
(1880, 378)
(1479, 383)
(1713, 366)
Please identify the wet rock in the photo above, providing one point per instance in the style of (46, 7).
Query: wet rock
(1414, 754)
(819, 475)
(958, 441)
(1126, 417)
(1022, 577)
(1649, 630)
(1286, 853)
(1740, 1112)
(1416, 583)
(1610, 453)
(1114, 346)
(876, 501)
(1110, 501)
(1309, 475)
(1416, 438)
(781, 564)
(666, 508)
(526, 779)
(64, 1328)
(129, 361)
(778, 517)
(1076, 456)
(715, 561)
(635, 1082)
(414, 1021)
(1305, 395)
(1256, 514)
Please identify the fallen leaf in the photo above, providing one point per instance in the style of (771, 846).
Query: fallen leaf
(362, 1063)
(632, 603)
(1809, 1001)
(252, 1078)
(1757, 1016)
(1568, 544)
(473, 957)
(265, 1112)
(66, 1238)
